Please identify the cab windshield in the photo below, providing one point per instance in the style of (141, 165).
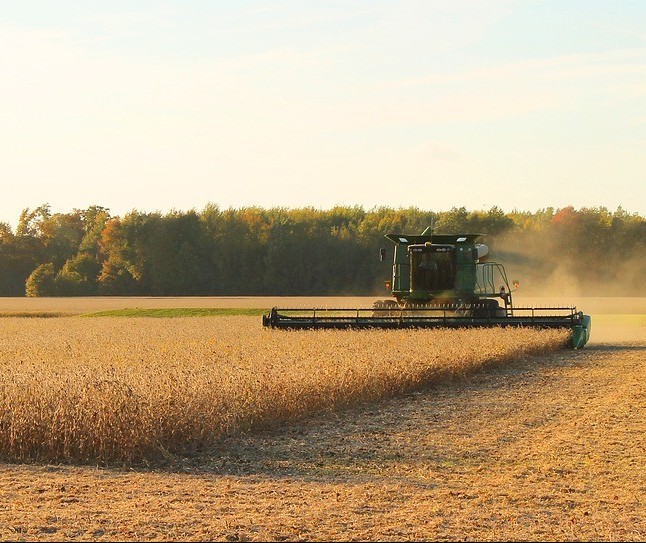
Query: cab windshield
(432, 269)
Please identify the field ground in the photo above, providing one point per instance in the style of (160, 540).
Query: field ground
(548, 448)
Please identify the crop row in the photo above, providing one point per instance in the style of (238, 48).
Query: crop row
(133, 389)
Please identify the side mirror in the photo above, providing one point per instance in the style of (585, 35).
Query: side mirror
(382, 254)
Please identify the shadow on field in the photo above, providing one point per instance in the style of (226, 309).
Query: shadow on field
(403, 438)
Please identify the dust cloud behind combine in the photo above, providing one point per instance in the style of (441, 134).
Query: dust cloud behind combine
(544, 268)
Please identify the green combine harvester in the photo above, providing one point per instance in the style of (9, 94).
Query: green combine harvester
(440, 280)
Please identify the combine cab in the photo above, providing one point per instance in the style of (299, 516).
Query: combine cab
(440, 280)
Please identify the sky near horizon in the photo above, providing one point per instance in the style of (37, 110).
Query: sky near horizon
(167, 105)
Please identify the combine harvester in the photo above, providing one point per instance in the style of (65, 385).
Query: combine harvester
(440, 281)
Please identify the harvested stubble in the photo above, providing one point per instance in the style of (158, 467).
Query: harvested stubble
(132, 390)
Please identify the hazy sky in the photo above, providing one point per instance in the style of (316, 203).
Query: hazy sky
(162, 105)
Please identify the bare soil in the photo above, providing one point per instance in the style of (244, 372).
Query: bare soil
(548, 448)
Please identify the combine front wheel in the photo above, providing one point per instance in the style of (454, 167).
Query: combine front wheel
(384, 308)
(487, 309)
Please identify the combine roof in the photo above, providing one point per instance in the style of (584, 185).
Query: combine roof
(433, 238)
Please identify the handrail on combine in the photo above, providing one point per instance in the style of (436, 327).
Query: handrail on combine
(486, 278)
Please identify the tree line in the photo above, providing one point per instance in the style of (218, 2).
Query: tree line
(303, 251)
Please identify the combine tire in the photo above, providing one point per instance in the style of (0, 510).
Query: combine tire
(385, 308)
(487, 309)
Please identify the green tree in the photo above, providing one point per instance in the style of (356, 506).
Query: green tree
(42, 281)
(19, 255)
(121, 270)
(455, 221)
(79, 276)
